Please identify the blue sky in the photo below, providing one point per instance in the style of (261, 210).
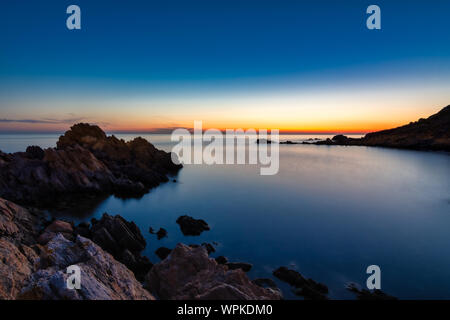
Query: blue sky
(163, 59)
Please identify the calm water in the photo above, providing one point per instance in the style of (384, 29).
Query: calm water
(329, 212)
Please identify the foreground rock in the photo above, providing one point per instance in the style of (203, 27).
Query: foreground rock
(86, 161)
(188, 273)
(29, 270)
(120, 238)
(192, 227)
(102, 277)
(307, 288)
(432, 133)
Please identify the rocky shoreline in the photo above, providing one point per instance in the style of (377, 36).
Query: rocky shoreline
(431, 134)
(85, 162)
(35, 251)
(35, 255)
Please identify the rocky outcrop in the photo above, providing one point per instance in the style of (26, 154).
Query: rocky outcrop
(102, 277)
(29, 270)
(307, 288)
(432, 133)
(137, 160)
(188, 273)
(192, 227)
(86, 161)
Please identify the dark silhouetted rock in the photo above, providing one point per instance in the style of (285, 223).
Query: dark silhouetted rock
(307, 288)
(209, 247)
(364, 294)
(123, 240)
(35, 152)
(161, 233)
(221, 260)
(246, 267)
(192, 227)
(163, 252)
(265, 283)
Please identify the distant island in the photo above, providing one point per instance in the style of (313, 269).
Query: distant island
(432, 133)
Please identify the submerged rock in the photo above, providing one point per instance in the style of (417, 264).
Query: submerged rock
(364, 294)
(189, 273)
(307, 288)
(162, 233)
(192, 227)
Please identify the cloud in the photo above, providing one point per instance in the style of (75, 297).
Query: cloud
(43, 121)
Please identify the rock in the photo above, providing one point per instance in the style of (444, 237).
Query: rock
(137, 160)
(53, 229)
(60, 226)
(209, 247)
(86, 161)
(221, 260)
(189, 274)
(163, 252)
(265, 283)
(83, 229)
(15, 268)
(102, 277)
(35, 152)
(246, 267)
(32, 271)
(150, 230)
(121, 238)
(192, 227)
(307, 288)
(161, 233)
(364, 294)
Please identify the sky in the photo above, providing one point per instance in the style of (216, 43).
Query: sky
(297, 66)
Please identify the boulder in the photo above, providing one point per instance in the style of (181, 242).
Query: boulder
(307, 288)
(121, 239)
(192, 227)
(189, 274)
(163, 252)
(162, 233)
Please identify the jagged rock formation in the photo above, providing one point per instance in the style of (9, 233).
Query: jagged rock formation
(85, 161)
(188, 273)
(29, 270)
(122, 239)
(102, 277)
